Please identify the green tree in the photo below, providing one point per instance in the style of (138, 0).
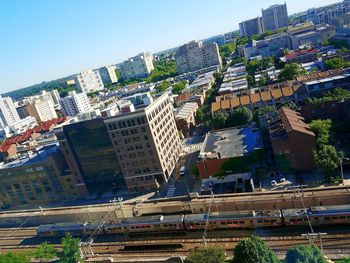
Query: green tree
(242, 116)
(14, 258)
(163, 86)
(227, 49)
(328, 159)
(70, 250)
(220, 120)
(335, 63)
(250, 80)
(262, 111)
(200, 116)
(45, 252)
(262, 81)
(290, 105)
(179, 87)
(253, 250)
(290, 71)
(305, 254)
(321, 128)
(209, 255)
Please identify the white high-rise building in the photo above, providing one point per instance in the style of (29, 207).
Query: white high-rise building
(89, 81)
(274, 17)
(55, 97)
(75, 103)
(108, 74)
(42, 109)
(139, 66)
(8, 112)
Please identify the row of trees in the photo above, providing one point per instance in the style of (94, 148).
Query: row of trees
(326, 155)
(240, 116)
(255, 250)
(338, 94)
(46, 253)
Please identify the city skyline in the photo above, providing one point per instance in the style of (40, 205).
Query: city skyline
(43, 44)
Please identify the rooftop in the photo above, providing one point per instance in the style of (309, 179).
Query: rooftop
(32, 158)
(231, 142)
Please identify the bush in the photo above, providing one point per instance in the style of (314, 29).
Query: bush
(209, 255)
(253, 250)
(305, 254)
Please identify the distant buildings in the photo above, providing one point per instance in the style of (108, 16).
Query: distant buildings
(195, 55)
(137, 67)
(326, 14)
(274, 17)
(251, 27)
(75, 103)
(108, 74)
(89, 81)
(292, 141)
(219, 39)
(146, 143)
(8, 113)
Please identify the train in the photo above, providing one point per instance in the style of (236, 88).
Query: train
(250, 219)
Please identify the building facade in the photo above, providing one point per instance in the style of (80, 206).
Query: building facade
(292, 141)
(146, 143)
(39, 177)
(75, 103)
(274, 17)
(139, 66)
(8, 112)
(42, 109)
(108, 74)
(89, 81)
(251, 27)
(195, 55)
(90, 155)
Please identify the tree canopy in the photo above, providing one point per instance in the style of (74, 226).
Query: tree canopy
(227, 49)
(263, 110)
(45, 252)
(220, 120)
(179, 87)
(209, 255)
(335, 63)
(14, 258)
(322, 129)
(328, 159)
(338, 94)
(290, 71)
(253, 250)
(70, 250)
(305, 254)
(242, 116)
(163, 86)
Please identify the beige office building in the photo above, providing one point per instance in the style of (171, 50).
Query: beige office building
(147, 144)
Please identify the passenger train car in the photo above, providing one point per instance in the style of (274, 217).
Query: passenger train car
(320, 215)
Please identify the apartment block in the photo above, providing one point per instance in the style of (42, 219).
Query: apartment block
(146, 143)
(251, 27)
(137, 67)
(195, 56)
(8, 112)
(75, 103)
(90, 155)
(37, 177)
(292, 141)
(89, 81)
(274, 17)
(42, 109)
(108, 74)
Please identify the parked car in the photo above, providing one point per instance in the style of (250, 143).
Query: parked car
(273, 183)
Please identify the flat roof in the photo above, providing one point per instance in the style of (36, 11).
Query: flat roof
(232, 142)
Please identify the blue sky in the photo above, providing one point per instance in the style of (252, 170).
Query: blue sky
(43, 40)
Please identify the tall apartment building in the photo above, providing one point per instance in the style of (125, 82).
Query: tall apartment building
(195, 55)
(137, 67)
(251, 27)
(89, 81)
(8, 112)
(274, 17)
(42, 109)
(146, 143)
(108, 74)
(55, 97)
(75, 103)
(90, 155)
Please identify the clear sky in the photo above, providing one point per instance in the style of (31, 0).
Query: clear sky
(41, 40)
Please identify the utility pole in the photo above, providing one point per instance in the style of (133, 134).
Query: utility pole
(85, 249)
(207, 221)
(118, 204)
(315, 236)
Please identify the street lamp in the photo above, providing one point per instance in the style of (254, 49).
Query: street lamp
(341, 168)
